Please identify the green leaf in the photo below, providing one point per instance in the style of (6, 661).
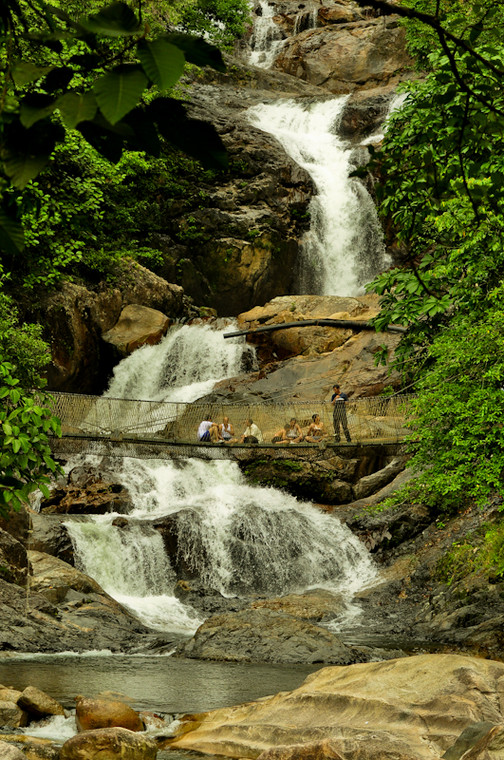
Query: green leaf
(118, 92)
(75, 107)
(197, 138)
(35, 107)
(16, 445)
(58, 79)
(116, 20)
(11, 238)
(22, 168)
(45, 490)
(162, 62)
(25, 72)
(196, 50)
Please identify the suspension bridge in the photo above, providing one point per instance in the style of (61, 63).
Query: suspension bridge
(160, 429)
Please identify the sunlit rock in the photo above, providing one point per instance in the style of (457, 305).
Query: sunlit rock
(109, 743)
(9, 752)
(93, 713)
(39, 704)
(413, 708)
(137, 326)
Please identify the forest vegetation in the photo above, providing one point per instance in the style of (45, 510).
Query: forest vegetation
(439, 174)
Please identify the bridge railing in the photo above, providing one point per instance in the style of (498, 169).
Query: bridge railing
(369, 419)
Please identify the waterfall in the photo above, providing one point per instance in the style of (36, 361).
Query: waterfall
(233, 538)
(306, 20)
(267, 39)
(184, 366)
(343, 249)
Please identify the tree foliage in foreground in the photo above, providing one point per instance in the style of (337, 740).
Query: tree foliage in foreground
(26, 422)
(442, 173)
(100, 74)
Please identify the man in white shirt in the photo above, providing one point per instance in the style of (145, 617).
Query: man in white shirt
(252, 434)
(208, 431)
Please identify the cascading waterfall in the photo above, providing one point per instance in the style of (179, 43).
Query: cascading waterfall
(184, 366)
(234, 538)
(267, 39)
(343, 248)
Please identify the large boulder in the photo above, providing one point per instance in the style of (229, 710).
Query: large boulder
(75, 318)
(345, 57)
(93, 713)
(109, 744)
(11, 715)
(413, 708)
(50, 535)
(265, 635)
(137, 326)
(38, 704)
(304, 362)
(13, 561)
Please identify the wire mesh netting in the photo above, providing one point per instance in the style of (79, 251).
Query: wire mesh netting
(376, 419)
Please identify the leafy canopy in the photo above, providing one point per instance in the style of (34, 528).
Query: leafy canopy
(442, 169)
(101, 74)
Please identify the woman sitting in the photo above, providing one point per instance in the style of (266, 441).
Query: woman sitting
(293, 432)
(316, 431)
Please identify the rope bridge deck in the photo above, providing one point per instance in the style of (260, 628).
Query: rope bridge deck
(136, 428)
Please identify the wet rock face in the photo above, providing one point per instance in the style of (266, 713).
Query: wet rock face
(75, 317)
(13, 560)
(346, 57)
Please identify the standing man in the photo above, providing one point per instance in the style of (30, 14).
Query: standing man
(338, 400)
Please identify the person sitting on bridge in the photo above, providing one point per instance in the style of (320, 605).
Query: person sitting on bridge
(226, 431)
(316, 431)
(251, 434)
(281, 435)
(293, 433)
(208, 430)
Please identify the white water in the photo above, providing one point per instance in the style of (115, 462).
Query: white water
(184, 366)
(267, 40)
(235, 539)
(344, 248)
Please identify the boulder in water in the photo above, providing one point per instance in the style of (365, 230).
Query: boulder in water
(38, 704)
(11, 716)
(109, 743)
(265, 635)
(95, 713)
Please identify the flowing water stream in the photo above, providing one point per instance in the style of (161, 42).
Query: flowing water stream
(343, 249)
(236, 539)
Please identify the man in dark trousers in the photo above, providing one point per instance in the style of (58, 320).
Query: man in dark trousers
(338, 400)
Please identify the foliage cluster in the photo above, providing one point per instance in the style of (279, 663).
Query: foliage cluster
(101, 72)
(481, 552)
(26, 421)
(442, 170)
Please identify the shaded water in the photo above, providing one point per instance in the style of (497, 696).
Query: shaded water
(163, 683)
